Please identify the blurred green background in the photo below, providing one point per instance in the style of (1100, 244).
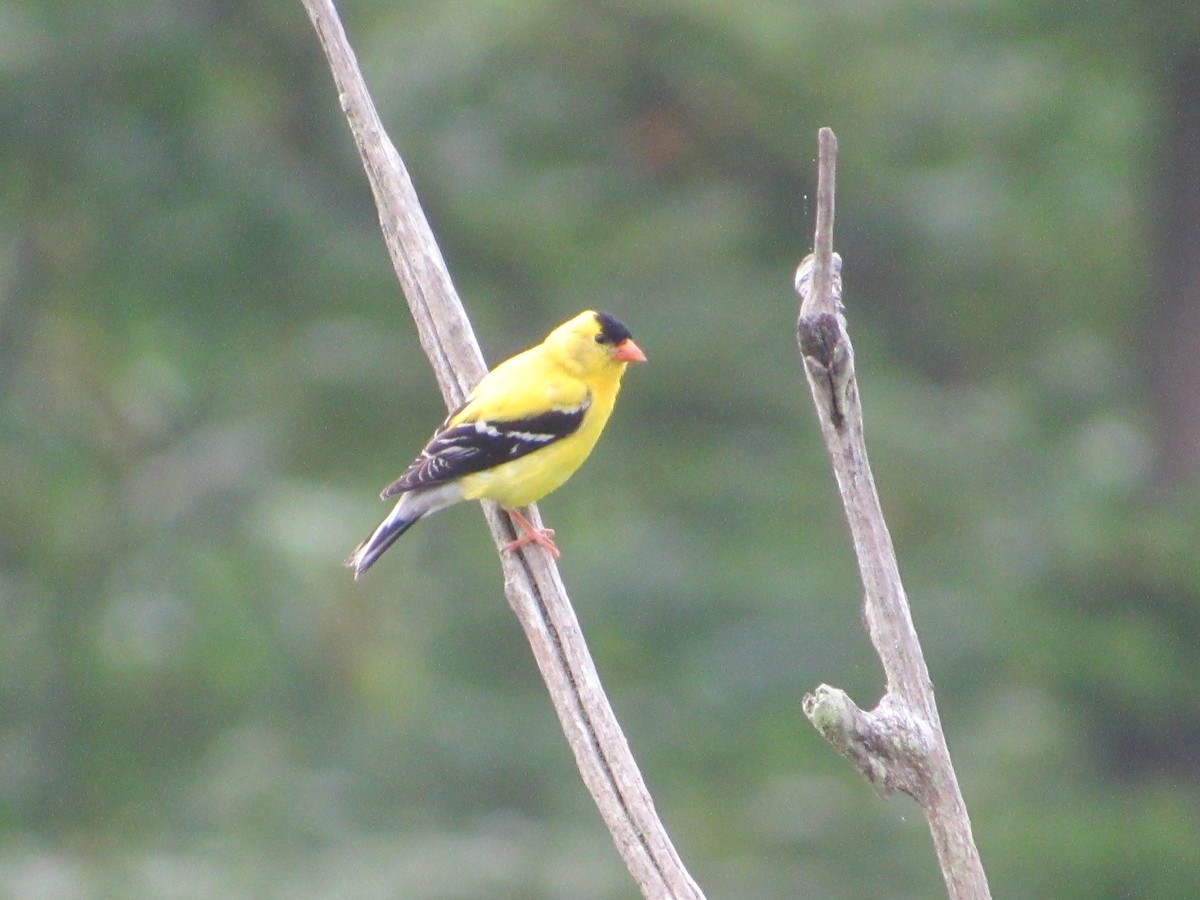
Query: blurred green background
(207, 372)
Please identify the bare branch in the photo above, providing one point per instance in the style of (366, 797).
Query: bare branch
(823, 235)
(531, 580)
(899, 745)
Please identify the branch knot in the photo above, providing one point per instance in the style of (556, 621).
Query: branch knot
(821, 333)
(890, 745)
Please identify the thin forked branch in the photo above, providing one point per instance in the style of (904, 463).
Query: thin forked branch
(899, 745)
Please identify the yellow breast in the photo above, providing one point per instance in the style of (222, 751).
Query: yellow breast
(531, 477)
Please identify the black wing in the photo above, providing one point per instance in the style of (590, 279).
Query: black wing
(459, 450)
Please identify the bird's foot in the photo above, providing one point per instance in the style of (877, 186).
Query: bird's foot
(543, 537)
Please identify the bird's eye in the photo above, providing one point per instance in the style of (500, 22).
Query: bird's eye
(600, 338)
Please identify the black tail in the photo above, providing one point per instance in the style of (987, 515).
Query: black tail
(412, 506)
(384, 536)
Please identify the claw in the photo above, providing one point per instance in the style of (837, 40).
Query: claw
(543, 537)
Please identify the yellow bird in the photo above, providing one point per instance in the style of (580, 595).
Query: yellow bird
(522, 432)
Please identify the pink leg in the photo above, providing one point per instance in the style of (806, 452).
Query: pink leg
(532, 535)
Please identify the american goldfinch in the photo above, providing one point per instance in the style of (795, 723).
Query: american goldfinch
(522, 432)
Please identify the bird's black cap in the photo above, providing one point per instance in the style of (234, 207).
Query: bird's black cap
(612, 330)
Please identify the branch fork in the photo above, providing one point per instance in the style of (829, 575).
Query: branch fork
(898, 746)
(888, 745)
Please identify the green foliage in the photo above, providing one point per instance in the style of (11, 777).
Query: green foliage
(208, 372)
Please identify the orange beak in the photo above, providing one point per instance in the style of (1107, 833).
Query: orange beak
(627, 351)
